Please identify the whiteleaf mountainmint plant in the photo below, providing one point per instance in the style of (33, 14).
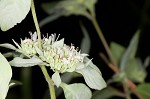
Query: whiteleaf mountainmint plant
(49, 52)
(52, 54)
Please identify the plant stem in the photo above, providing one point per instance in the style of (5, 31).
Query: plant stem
(130, 84)
(104, 42)
(36, 23)
(48, 79)
(126, 90)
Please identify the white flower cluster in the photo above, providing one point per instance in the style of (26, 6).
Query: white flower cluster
(59, 56)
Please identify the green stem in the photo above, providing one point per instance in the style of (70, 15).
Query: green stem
(104, 42)
(48, 79)
(50, 82)
(126, 90)
(36, 23)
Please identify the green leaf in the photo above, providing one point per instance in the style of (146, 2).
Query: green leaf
(56, 79)
(5, 76)
(135, 71)
(9, 46)
(67, 8)
(106, 93)
(144, 90)
(48, 6)
(92, 76)
(117, 51)
(147, 61)
(86, 42)
(131, 51)
(89, 4)
(76, 91)
(13, 12)
(20, 62)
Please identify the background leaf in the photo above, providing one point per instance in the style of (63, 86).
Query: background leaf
(131, 51)
(86, 41)
(13, 12)
(135, 71)
(5, 76)
(117, 51)
(144, 90)
(106, 93)
(76, 91)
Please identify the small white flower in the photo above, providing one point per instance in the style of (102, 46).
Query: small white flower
(27, 46)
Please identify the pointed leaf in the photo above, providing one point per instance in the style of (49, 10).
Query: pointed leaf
(13, 12)
(117, 51)
(131, 51)
(76, 91)
(5, 76)
(86, 42)
(92, 77)
(20, 62)
(56, 78)
(144, 90)
(9, 46)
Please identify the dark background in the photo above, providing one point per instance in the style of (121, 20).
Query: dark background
(118, 19)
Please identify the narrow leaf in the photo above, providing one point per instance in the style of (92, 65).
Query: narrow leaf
(56, 78)
(131, 50)
(9, 46)
(13, 12)
(147, 62)
(5, 76)
(86, 42)
(144, 90)
(20, 62)
(76, 91)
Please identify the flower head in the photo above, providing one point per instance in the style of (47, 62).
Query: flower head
(59, 56)
(27, 46)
